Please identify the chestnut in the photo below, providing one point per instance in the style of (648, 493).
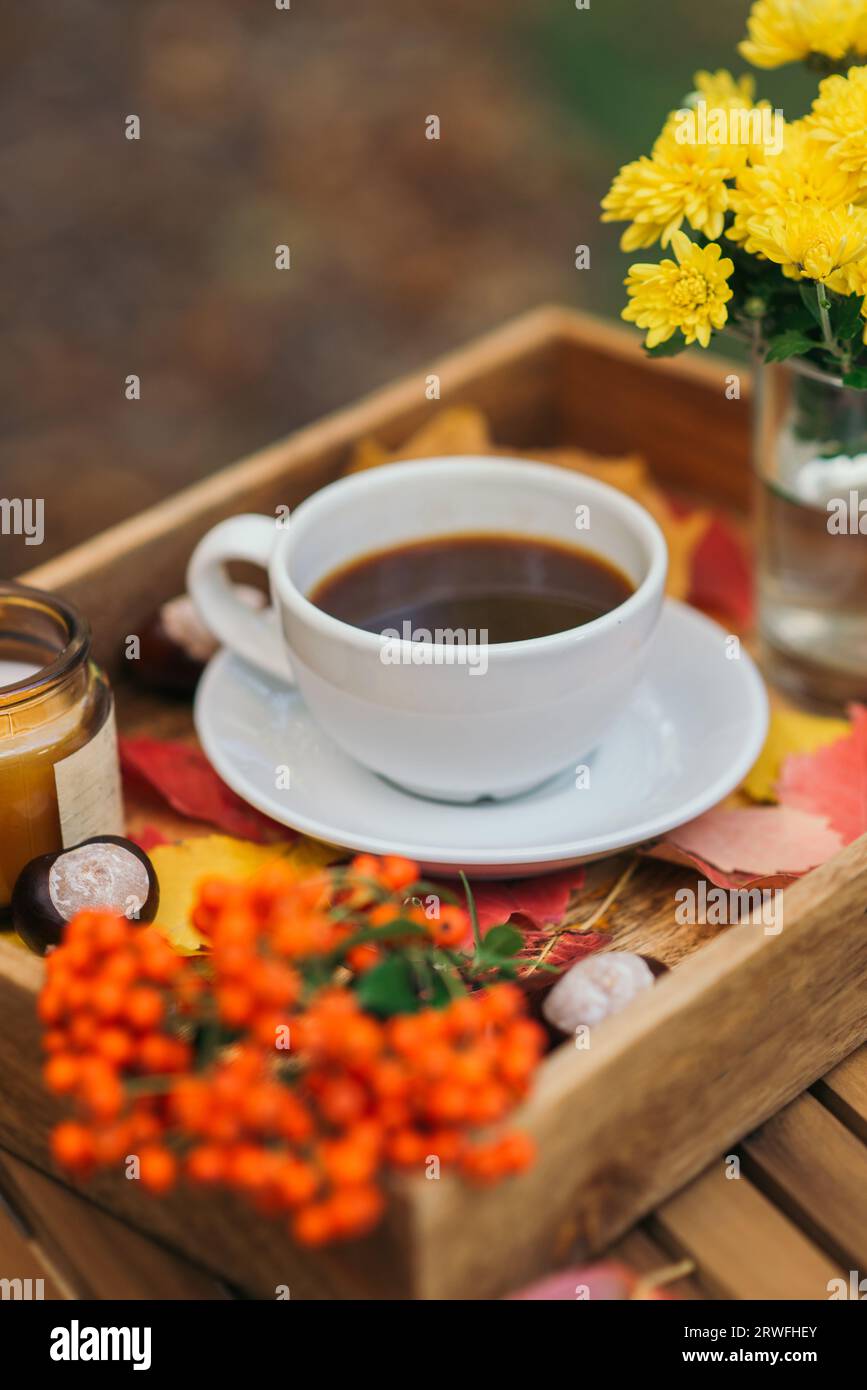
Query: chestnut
(106, 871)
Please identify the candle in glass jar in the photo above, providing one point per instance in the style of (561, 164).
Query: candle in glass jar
(59, 779)
(13, 671)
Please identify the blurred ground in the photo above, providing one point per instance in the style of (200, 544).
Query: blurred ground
(305, 127)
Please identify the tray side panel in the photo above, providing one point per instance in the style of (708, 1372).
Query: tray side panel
(680, 415)
(719, 1045)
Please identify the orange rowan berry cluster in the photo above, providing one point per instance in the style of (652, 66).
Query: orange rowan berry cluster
(394, 874)
(270, 1077)
(114, 1003)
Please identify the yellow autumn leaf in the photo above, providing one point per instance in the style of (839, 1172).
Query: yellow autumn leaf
(180, 868)
(458, 430)
(789, 732)
(682, 535)
(628, 473)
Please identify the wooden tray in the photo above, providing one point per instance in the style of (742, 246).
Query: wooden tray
(741, 1024)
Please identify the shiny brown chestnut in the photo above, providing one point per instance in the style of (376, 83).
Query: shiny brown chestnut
(106, 872)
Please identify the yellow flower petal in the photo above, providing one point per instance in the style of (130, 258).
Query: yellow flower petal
(680, 243)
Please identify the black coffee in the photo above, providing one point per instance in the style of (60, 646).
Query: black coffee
(509, 586)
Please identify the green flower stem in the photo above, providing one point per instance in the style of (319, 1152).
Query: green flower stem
(838, 350)
(825, 320)
(474, 917)
(824, 316)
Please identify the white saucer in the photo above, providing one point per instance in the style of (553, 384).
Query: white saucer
(690, 734)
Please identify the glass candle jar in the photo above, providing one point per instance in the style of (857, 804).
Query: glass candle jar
(59, 775)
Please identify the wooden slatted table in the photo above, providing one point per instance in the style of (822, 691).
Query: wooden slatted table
(794, 1219)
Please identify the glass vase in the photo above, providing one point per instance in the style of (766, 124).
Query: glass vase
(810, 450)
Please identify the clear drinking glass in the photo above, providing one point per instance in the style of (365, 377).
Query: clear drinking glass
(810, 450)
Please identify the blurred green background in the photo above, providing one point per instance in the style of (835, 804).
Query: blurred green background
(303, 127)
(614, 76)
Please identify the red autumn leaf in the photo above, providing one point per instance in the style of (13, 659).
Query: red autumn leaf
(569, 947)
(748, 846)
(831, 782)
(721, 577)
(184, 778)
(149, 837)
(540, 901)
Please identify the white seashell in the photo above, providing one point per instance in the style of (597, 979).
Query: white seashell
(595, 988)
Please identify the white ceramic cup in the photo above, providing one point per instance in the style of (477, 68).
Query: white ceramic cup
(494, 722)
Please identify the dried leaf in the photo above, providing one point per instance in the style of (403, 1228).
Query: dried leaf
(539, 902)
(457, 430)
(832, 781)
(751, 846)
(627, 474)
(568, 948)
(790, 732)
(180, 867)
(721, 579)
(148, 837)
(183, 777)
(683, 530)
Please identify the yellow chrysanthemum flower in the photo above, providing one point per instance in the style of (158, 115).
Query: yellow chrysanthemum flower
(684, 178)
(677, 182)
(730, 102)
(656, 194)
(812, 243)
(721, 89)
(838, 121)
(800, 175)
(690, 293)
(786, 31)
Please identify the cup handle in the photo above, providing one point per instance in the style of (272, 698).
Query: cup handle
(254, 636)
